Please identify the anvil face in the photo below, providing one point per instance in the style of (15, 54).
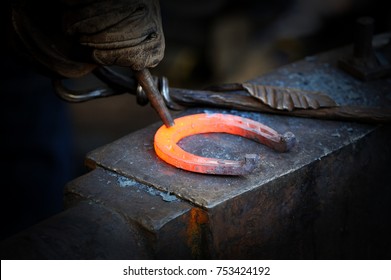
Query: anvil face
(133, 155)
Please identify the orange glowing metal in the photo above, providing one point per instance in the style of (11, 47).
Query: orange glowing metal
(166, 139)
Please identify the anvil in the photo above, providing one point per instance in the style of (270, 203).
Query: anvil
(328, 198)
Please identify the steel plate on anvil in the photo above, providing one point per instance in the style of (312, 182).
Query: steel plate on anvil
(133, 155)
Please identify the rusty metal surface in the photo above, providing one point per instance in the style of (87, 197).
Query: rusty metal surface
(133, 155)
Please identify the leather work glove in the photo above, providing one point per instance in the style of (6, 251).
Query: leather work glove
(70, 38)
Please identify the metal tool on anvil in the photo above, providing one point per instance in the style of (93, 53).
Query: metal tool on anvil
(245, 96)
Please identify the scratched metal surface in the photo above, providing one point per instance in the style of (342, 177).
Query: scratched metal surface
(133, 155)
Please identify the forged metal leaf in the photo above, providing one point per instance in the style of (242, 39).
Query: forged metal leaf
(282, 98)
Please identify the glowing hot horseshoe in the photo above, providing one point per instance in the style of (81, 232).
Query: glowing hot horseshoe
(166, 139)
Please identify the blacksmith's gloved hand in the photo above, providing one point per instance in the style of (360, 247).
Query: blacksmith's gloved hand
(70, 38)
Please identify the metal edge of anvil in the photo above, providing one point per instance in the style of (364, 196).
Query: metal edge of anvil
(142, 204)
(132, 156)
(163, 226)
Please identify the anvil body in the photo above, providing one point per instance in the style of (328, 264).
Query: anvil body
(327, 198)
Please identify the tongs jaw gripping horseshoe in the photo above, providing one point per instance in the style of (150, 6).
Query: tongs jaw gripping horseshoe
(166, 139)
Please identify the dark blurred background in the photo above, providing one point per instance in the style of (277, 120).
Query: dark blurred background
(44, 140)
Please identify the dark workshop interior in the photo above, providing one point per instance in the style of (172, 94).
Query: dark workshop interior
(45, 140)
